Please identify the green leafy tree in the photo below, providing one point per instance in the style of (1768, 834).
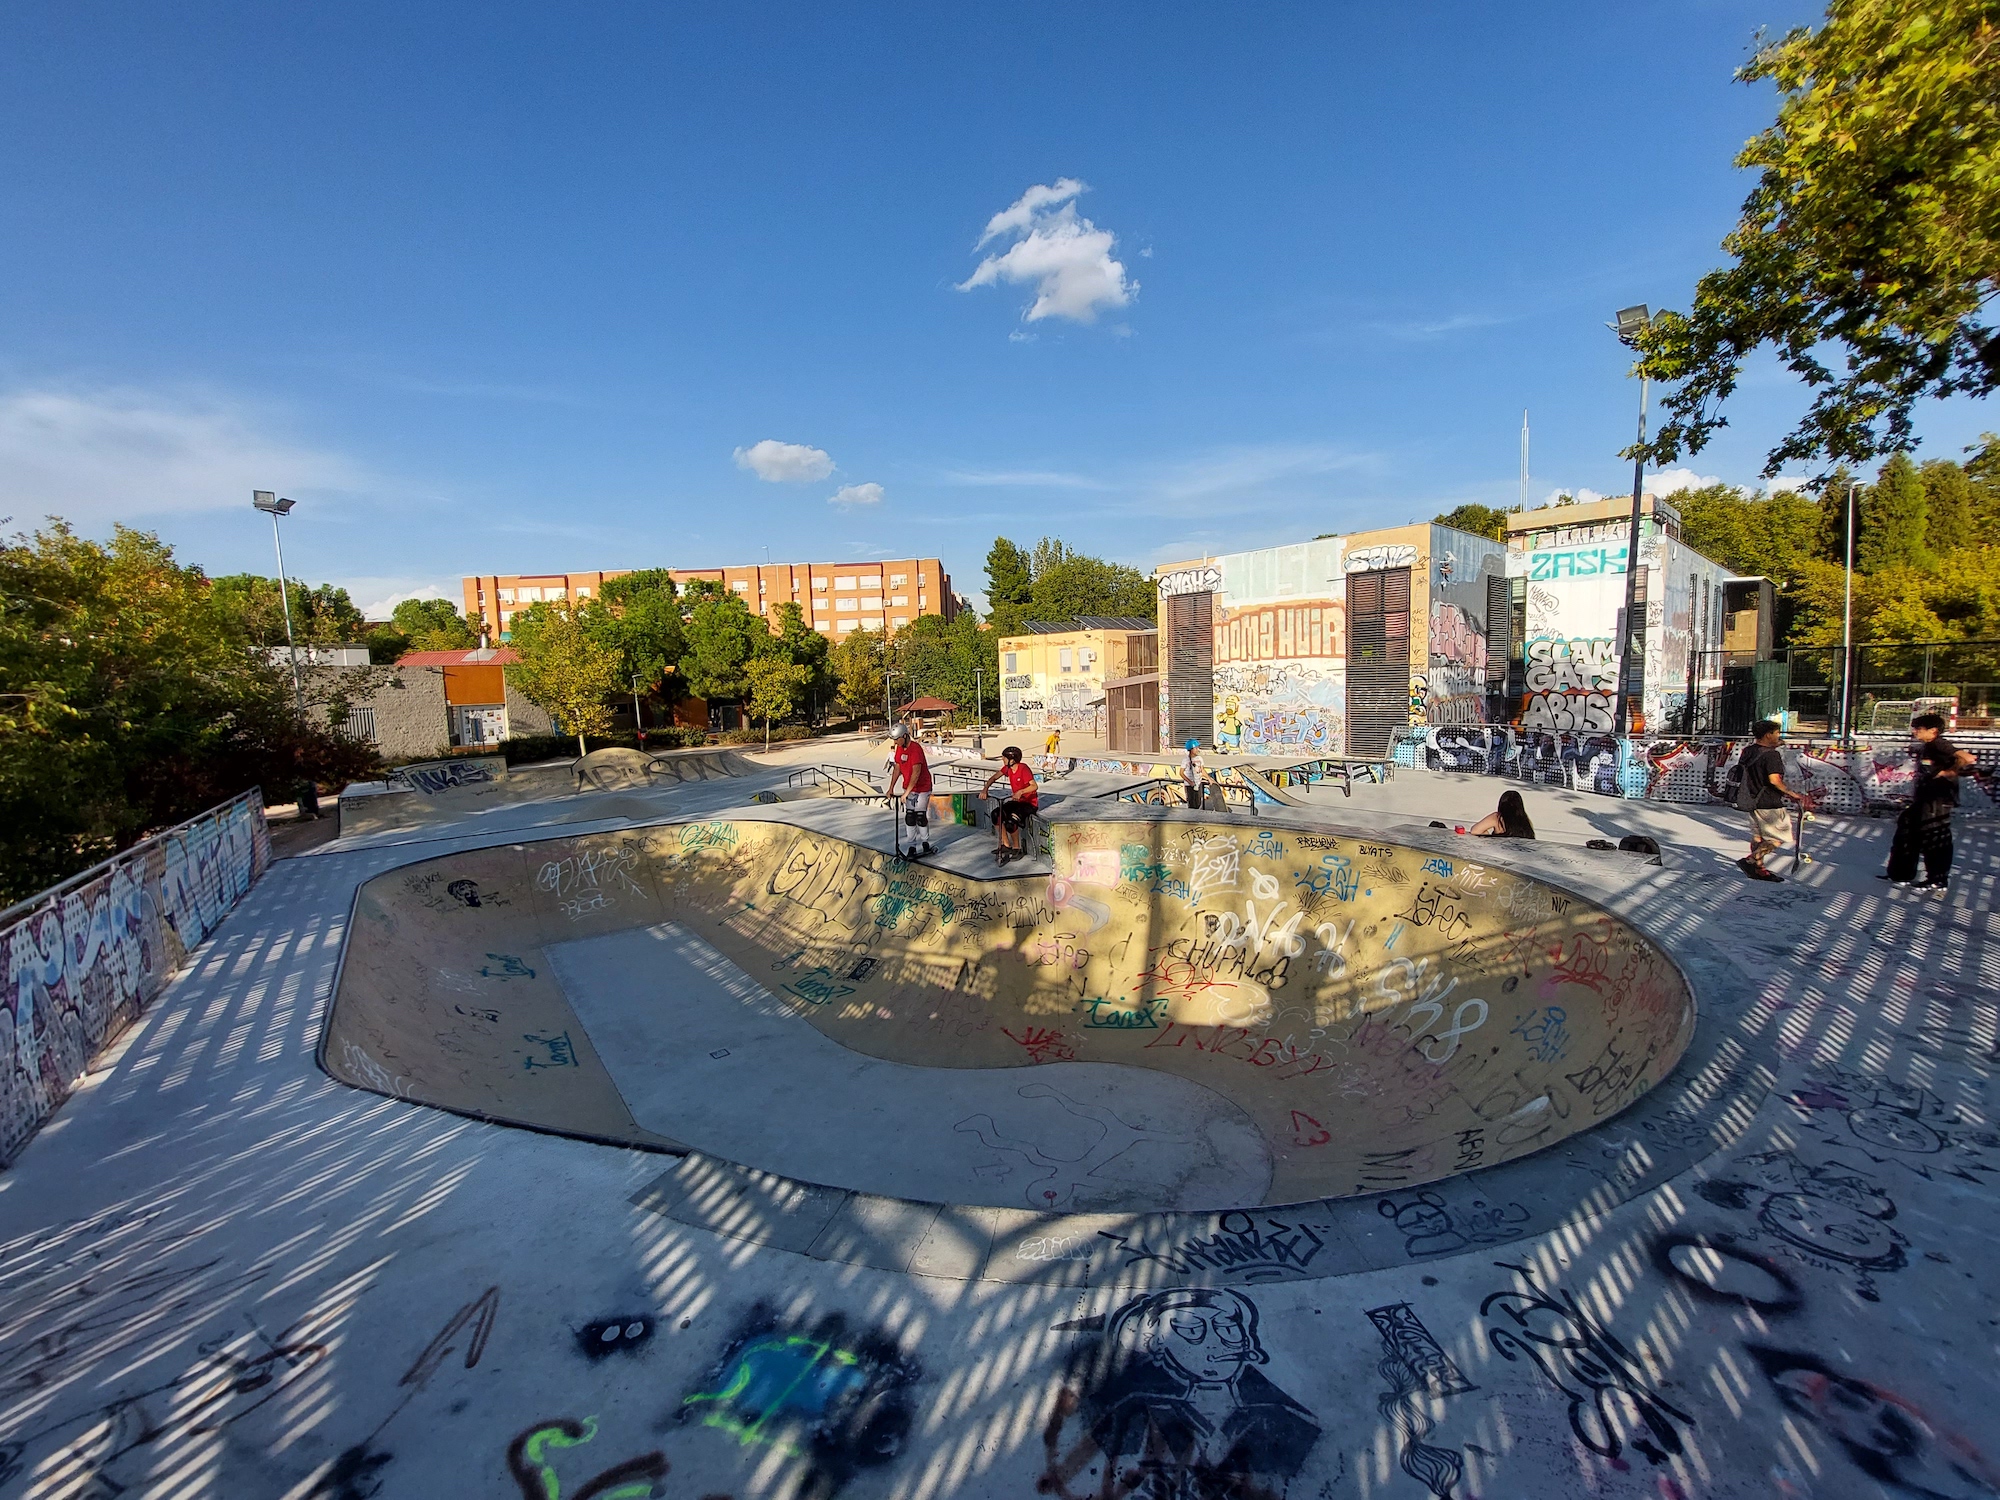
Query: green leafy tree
(322, 615)
(797, 642)
(1480, 520)
(134, 693)
(1893, 519)
(1949, 520)
(1010, 585)
(564, 670)
(859, 662)
(777, 688)
(1873, 231)
(1049, 551)
(639, 617)
(956, 660)
(1080, 585)
(386, 644)
(720, 637)
(435, 625)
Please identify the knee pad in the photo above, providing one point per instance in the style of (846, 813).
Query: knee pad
(913, 820)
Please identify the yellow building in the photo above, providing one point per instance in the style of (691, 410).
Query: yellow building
(1096, 679)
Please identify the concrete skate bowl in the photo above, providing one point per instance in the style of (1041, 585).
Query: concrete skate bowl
(1185, 1016)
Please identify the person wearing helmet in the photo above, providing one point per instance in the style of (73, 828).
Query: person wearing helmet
(1023, 802)
(911, 773)
(1193, 773)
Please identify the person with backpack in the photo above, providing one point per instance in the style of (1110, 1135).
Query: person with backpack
(1758, 778)
(1924, 827)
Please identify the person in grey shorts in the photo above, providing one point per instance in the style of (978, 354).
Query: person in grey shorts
(1764, 795)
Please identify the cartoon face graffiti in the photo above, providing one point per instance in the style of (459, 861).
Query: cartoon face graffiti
(1174, 1383)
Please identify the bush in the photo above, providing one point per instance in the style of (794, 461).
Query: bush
(756, 736)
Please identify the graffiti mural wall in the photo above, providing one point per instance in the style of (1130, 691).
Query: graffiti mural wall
(1280, 651)
(1454, 690)
(77, 969)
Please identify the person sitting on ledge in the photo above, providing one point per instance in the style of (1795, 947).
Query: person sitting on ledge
(1508, 821)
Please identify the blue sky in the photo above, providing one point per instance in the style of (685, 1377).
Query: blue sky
(509, 287)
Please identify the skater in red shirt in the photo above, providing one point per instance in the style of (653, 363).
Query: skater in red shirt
(1024, 801)
(912, 773)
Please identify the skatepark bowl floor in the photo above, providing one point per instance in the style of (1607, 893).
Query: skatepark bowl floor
(674, 1137)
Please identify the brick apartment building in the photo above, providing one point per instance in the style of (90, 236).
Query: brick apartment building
(835, 597)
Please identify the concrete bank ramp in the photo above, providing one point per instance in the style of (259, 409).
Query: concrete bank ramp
(1186, 1014)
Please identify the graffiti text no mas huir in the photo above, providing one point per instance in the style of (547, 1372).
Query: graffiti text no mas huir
(1575, 562)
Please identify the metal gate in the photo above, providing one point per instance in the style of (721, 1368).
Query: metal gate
(1378, 658)
(1191, 666)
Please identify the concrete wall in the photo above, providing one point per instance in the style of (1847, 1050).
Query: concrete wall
(1040, 695)
(413, 720)
(80, 968)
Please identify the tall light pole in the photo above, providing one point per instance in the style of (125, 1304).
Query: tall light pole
(1847, 627)
(638, 723)
(1631, 323)
(268, 502)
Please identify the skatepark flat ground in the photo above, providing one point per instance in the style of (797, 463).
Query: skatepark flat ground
(223, 1273)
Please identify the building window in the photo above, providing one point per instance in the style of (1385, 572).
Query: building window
(847, 625)
(1010, 662)
(506, 596)
(873, 601)
(901, 621)
(819, 585)
(897, 580)
(821, 604)
(901, 600)
(845, 583)
(361, 722)
(1068, 659)
(740, 586)
(845, 604)
(822, 625)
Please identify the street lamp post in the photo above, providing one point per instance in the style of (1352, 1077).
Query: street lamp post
(1847, 628)
(638, 722)
(1631, 323)
(268, 502)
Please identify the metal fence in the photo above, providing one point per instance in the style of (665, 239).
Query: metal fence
(1890, 681)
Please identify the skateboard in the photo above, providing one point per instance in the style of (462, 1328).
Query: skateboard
(1799, 820)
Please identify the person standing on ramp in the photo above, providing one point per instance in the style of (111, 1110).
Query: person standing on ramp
(1762, 793)
(1924, 827)
(910, 777)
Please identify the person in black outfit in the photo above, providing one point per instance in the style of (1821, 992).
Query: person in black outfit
(1924, 827)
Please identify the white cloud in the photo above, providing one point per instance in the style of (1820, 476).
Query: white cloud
(1673, 481)
(1795, 482)
(785, 463)
(118, 455)
(850, 495)
(1067, 259)
(1580, 496)
(377, 597)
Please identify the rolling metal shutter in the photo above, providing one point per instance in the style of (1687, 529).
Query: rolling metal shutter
(1378, 658)
(1191, 667)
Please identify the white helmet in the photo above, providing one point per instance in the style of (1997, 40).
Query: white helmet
(900, 732)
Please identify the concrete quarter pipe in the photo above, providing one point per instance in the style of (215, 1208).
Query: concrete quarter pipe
(1185, 1015)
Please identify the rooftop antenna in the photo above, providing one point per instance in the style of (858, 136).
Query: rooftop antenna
(1524, 458)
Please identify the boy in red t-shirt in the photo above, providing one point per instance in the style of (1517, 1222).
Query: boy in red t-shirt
(1011, 816)
(912, 772)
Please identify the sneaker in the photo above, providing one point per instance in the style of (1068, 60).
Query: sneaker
(1754, 870)
(1932, 887)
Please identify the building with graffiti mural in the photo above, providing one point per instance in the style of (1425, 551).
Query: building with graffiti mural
(1093, 678)
(1328, 647)
(1566, 569)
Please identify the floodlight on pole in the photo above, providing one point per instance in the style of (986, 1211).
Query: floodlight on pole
(1630, 323)
(268, 502)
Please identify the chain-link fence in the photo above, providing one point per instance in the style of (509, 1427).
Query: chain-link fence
(1801, 686)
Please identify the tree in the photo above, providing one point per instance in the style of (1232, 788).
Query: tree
(564, 670)
(639, 617)
(435, 625)
(1949, 521)
(720, 635)
(955, 659)
(1010, 585)
(321, 616)
(777, 689)
(1080, 585)
(797, 642)
(1890, 526)
(134, 693)
(1874, 230)
(860, 662)
(1480, 520)
(1048, 553)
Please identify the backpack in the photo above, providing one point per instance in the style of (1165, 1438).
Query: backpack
(1736, 787)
